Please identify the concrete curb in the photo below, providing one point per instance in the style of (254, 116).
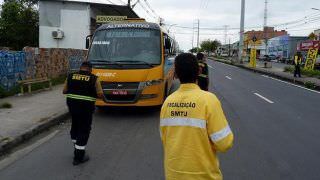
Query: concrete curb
(7, 146)
(271, 74)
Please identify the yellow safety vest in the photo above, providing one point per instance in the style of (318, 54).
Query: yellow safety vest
(201, 67)
(297, 60)
(193, 129)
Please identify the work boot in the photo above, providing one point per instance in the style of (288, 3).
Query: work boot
(80, 157)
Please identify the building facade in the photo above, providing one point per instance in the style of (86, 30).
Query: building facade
(67, 23)
(284, 47)
(260, 36)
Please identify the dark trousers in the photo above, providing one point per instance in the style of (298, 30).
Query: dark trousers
(81, 127)
(297, 71)
(203, 83)
(81, 114)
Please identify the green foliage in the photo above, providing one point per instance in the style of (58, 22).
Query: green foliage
(311, 73)
(312, 36)
(310, 85)
(19, 24)
(209, 45)
(194, 50)
(306, 72)
(13, 91)
(34, 87)
(289, 69)
(5, 105)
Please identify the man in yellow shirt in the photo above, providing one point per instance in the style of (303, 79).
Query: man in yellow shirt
(193, 127)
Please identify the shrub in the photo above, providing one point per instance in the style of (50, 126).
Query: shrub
(35, 87)
(311, 73)
(6, 105)
(288, 69)
(310, 85)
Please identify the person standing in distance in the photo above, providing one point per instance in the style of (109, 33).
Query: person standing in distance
(203, 77)
(82, 88)
(297, 64)
(193, 127)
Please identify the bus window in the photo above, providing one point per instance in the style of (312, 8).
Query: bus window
(116, 45)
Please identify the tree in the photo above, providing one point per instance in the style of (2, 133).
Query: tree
(194, 50)
(19, 24)
(312, 36)
(209, 45)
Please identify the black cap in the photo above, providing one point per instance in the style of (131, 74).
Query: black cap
(86, 64)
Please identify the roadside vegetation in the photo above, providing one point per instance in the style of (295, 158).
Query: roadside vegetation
(5, 105)
(35, 87)
(309, 73)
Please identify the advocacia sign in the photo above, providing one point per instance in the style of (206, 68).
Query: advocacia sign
(106, 19)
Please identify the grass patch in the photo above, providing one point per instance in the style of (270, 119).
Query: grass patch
(5, 105)
(309, 73)
(34, 87)
(310, 85)
(11, 92)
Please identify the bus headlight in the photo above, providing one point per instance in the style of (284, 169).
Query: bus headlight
(154, 82)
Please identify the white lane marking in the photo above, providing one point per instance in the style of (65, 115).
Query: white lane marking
(291, 84)
(210, 66)
(228, 77)
(264, 98)
(11, 158)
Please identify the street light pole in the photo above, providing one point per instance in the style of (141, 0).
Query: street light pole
(241, 44)
(198, 33)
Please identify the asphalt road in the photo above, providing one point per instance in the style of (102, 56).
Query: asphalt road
(276, 127)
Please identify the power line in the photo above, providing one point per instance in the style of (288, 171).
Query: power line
(149, 6)
(111, 2)
(146, 10)
(122, 2)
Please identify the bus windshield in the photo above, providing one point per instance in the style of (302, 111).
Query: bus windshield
(134, 46)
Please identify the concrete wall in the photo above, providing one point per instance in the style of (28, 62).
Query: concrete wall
(34, 63)
(72, 18)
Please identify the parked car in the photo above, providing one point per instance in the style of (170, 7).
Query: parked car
(272, 57)
(264, 58)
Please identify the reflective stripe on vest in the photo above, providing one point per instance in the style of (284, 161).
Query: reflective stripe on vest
(85, 98)
(217, 136)
(191, 122)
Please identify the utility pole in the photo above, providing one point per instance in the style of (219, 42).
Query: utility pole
(193, 34)
(225, 33)
(241, 44)
(229, 48)
(265, 25)
(198, 33)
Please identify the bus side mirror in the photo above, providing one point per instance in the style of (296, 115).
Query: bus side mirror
(88, 41)
(167, 44)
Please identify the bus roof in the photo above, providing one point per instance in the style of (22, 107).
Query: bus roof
(138, 25)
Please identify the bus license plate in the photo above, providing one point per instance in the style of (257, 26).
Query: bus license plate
(119, 92)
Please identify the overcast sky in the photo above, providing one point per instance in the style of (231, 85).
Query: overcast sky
(218, 13)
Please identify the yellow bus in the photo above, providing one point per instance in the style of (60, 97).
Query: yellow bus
(134, 62)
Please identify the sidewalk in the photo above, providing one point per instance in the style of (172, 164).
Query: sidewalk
(276, 71)
(29, 115)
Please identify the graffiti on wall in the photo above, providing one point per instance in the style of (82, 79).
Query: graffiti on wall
(12, 68)
(34, 63)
